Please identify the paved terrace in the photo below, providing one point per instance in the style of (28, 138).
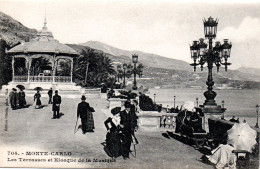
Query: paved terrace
(33, 130)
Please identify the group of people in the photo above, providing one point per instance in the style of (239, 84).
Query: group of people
(55, 101)
(189, 121)
(121, 128)
(17, 99)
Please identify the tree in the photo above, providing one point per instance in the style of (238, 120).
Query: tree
(92, 68)
(39, 65)
(65, 67)
(5, 62)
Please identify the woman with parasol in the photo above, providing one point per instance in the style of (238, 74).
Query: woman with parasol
(37, 99)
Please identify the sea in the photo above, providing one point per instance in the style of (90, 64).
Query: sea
(239, 103)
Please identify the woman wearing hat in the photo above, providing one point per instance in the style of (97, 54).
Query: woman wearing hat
(22, 100)
(84, 111)
(37, 100)
(113, 137)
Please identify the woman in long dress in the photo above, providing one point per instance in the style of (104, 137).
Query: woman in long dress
(222, 157)
(113, 137)
(37, 100)
(22, 100)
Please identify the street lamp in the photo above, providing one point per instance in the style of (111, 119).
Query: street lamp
(135, 60)
(174, 97)
(223, 104)
(154, 97)
(223, 107)
(129, 70)
(197, 100)
(119, 70)
(124, 68)
(217, 55)
(257, 109)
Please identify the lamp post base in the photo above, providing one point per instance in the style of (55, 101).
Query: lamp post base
(211, 110)
(134, 87)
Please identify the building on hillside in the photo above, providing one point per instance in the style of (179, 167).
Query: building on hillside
(44, 62)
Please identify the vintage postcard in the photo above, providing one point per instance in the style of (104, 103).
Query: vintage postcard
(129, 84)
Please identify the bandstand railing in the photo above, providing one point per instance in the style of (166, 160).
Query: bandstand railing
(24, 78)
(63, 79)
(20, 78)
(40, 78)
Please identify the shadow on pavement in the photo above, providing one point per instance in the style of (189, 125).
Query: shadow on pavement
(179, 138)
(166, 135)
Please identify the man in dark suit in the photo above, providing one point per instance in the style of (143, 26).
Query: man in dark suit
(128, 124)
(84, 111)
(56, 105)
(50, 96)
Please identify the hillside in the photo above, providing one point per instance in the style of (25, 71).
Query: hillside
(148, 59)
(13, 31)
(160, 70)
(248, 70)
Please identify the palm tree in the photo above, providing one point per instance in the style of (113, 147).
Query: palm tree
(40, 64)
(93, 68)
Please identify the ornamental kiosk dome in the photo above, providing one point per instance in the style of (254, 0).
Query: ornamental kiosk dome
(43, 43)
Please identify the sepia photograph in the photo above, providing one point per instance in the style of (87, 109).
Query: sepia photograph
(161, 84)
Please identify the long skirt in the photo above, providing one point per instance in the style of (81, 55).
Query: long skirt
(38, 103)
(113, 143)
(222, 156)
(88, 122)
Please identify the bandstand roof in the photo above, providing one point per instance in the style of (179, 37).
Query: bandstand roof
(43, 43)
(43, 47)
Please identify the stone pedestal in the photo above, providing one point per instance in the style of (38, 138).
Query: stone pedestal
(211, 111)
(116, 102)
(149, 119)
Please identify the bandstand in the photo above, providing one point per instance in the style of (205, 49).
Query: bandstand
(45, 47)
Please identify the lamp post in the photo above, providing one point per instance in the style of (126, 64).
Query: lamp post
(257, 109)
(119, 70)
(223, 107)
(174, 97)
(216, 55)
(124, 68)
(197, 100)
(154, 97)
(135, 60)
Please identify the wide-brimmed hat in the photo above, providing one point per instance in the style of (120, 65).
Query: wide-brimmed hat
(116, 110)
(127, 104)
(83, 97)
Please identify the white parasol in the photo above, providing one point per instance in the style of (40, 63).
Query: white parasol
(242, 137)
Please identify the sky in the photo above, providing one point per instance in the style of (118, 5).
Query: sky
(161, 27)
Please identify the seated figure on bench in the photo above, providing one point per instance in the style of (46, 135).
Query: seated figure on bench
(222, 157)
(196, 121)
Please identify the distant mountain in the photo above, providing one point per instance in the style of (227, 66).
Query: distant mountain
(13, 31)
(253, 71)
(156, 66)
(147, 59)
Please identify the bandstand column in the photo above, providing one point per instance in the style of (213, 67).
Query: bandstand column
(28, 65)
(71, 70)
(13, 68)
(54, 68)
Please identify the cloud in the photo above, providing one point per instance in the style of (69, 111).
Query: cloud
(246, 42)
(248, 30)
